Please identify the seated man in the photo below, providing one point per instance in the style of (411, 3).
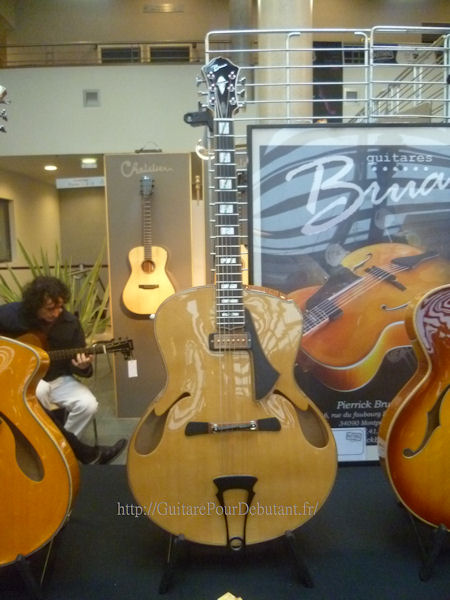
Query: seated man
(42, 312)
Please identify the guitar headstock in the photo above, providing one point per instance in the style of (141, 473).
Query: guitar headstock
(125, 346)
(222, 79)
(147, 183)
(3, 100)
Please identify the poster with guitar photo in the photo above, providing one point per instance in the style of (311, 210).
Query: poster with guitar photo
(352, 222)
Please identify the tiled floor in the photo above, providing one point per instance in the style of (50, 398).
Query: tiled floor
(109, 427)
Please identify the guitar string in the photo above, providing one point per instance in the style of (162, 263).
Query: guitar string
(229, 273)
(219, 273)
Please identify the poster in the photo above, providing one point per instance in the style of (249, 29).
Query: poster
(351, 222)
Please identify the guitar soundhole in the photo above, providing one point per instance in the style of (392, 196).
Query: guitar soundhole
(27, 458)
(148, 266)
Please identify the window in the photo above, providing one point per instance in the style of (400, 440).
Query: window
(173, 53)
(120, 54)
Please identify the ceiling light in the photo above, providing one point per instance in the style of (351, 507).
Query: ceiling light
(88, 163)
(51, 168)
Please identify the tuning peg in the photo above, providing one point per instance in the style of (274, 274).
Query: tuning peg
(3, 114)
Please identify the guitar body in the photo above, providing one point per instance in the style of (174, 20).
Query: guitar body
(233, 486)
(40, 475)
(34, 338)
(414, 434)
(346, 351)
(148, 284)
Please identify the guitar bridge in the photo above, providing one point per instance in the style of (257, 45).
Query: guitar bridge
(230, 341)
(149, 286)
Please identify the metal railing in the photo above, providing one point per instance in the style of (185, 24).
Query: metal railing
(385, 74)
(382, 73)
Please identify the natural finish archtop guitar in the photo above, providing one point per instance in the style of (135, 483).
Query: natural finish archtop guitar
(148, 284)
(414, 434)
(231, 452)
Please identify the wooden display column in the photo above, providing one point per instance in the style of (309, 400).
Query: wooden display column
(171, 216)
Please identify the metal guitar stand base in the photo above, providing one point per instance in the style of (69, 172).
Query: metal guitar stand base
(33, 584)
(33, 587)
(175, 543)
(169, 567)
(33, 579)
(431, 552)
(303, 571)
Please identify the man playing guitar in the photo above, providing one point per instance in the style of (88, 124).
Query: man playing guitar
(42, 312)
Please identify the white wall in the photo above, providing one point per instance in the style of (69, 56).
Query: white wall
(141, 105)
(34, 217)
(83, 223)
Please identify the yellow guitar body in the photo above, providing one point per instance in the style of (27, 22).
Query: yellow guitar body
(276, 479)
(39, 472)
(148, 285)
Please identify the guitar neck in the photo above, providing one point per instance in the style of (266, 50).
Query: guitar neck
(146, 192)
(228, 268)
(147, 227)
(71, 352)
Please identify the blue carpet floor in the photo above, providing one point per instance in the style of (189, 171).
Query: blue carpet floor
(360, 546)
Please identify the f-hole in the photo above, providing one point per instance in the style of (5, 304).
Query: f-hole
(27, 458)
(433, 422)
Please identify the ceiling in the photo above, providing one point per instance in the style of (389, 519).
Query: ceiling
(69, 166)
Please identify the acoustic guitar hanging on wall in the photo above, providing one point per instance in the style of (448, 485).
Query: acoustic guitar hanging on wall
(149, 283)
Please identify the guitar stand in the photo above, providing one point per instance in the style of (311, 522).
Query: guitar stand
(169, 567)
(429, 555)
(303, 571)
(32, 584)
(174, 550)
(33, 587)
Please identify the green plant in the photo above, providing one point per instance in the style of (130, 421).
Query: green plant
(88, 298)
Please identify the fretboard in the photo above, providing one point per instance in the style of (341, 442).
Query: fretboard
(228, 268)
(146, 192)
(147, 228)
(71, 352)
